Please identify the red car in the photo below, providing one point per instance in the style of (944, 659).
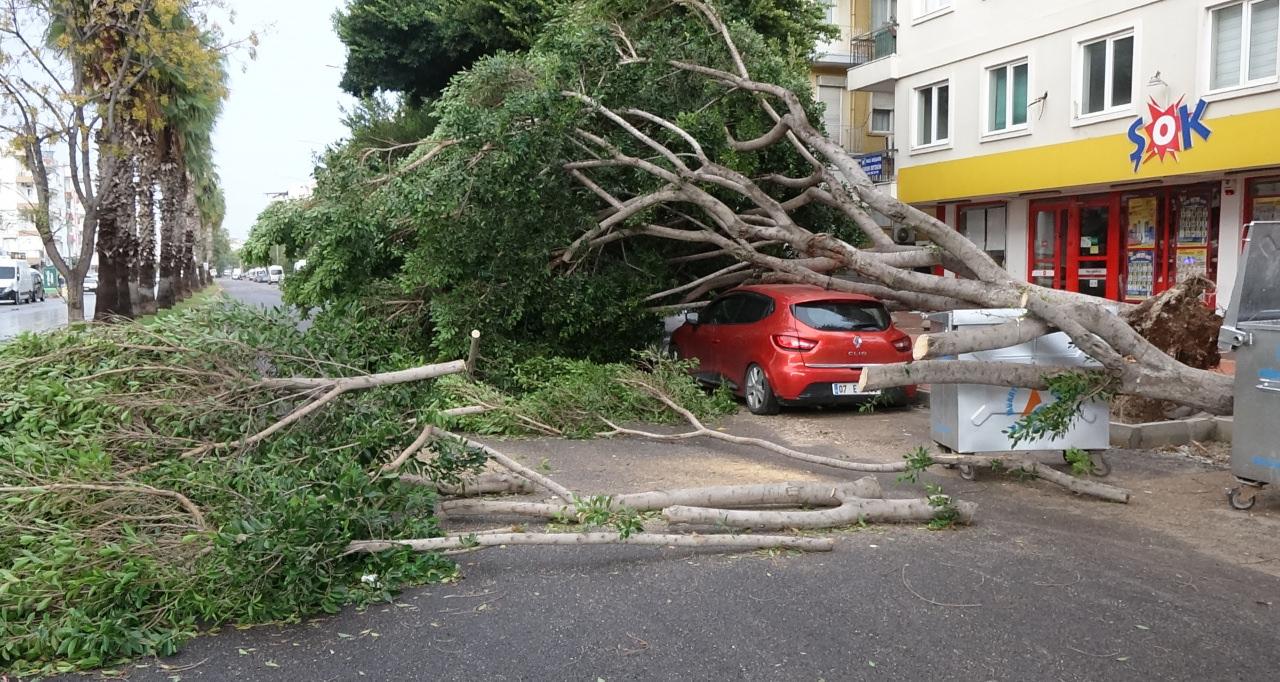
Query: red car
(793, 344)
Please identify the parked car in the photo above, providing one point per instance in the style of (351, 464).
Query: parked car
(37, 286)
(275, 274)
(91, 284)
(237, 273)
(792, 344)
(260, 275)
(16, 283)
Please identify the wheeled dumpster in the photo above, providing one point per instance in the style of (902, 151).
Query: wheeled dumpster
(972, 418)
(1252, 328)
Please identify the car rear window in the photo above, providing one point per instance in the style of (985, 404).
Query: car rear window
(7, 272)
(843, 316)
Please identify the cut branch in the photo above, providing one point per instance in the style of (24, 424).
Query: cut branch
(574, 539)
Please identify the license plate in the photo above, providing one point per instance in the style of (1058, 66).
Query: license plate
(849, 389)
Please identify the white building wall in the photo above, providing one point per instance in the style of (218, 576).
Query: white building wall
(1017, 244)
(1229, 227)
(1171, 37)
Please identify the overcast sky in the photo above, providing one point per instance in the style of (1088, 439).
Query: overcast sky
(284, 107)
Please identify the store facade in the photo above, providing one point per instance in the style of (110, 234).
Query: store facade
(1109, 147)
(1124, 240)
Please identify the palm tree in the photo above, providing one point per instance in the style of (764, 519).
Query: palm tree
(194, 91)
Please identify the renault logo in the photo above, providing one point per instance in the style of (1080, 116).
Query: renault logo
(857, 342)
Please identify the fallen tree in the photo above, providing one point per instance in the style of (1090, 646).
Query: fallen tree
(658, 179)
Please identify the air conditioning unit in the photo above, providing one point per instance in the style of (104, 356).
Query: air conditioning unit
(904, 235)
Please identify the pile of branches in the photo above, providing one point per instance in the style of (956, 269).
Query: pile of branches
(207, 466)
(217, 465)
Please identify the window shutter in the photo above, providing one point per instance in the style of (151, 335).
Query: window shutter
(1263, 26)
(1227, 29)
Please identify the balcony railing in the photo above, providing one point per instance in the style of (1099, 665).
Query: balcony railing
(877, 44)
(878, 166)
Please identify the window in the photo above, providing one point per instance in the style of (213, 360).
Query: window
(1107, 81)
(932, 113)
(1243, 43)
(738, 309)
(832, 98)
(882, 13)
(831, 11)
(930, 6)
(881, 113)
(985, 227)
(842, 316)
(1007, 97)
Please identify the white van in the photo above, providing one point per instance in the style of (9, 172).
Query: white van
(275, 274)
(16, 282)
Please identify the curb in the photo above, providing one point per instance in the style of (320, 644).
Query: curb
(1175, 432)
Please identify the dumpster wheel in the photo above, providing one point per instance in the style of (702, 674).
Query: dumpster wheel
(968, 472)
(1237, 501)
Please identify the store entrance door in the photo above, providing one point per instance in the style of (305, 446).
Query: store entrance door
(1076, 246)
(1050, 225)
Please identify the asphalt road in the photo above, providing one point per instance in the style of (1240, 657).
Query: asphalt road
(35, 317)
(1061, 589)
(1043, 587)
(253, 293)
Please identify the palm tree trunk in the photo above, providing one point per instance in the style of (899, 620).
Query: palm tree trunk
(146, 199)
(190, 221)
(172, 191)
(112, 298)
(129, 233)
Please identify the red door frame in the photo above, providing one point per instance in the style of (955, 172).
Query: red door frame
(1067, 217)
(1248, 202)
(1061, 209)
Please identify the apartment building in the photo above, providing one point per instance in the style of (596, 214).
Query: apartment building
(1113, 147)
(18, 235)
(861, 122)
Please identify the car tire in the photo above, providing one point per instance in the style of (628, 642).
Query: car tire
(760, 397)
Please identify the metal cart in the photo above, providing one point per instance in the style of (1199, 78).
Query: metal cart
(1252, 329)
(971, 418)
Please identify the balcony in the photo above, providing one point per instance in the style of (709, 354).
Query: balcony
(873, 63)
(878, 44)
(874, 153)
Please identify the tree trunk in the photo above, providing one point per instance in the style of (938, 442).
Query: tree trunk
(188, 221)
(75, 298)
(146, 201)
(172, 191)
(114, 231)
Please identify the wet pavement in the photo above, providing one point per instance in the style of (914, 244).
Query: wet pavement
(37, 317)
(253, 293)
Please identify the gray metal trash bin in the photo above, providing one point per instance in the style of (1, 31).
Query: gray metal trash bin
(1252, 328)
(971, 418)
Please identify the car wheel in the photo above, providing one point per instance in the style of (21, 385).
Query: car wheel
(760, 397)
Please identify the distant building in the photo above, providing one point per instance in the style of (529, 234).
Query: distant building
(860, 122)
(18, 235)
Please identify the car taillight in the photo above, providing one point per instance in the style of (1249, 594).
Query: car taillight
(788, 342)
(903, 344)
